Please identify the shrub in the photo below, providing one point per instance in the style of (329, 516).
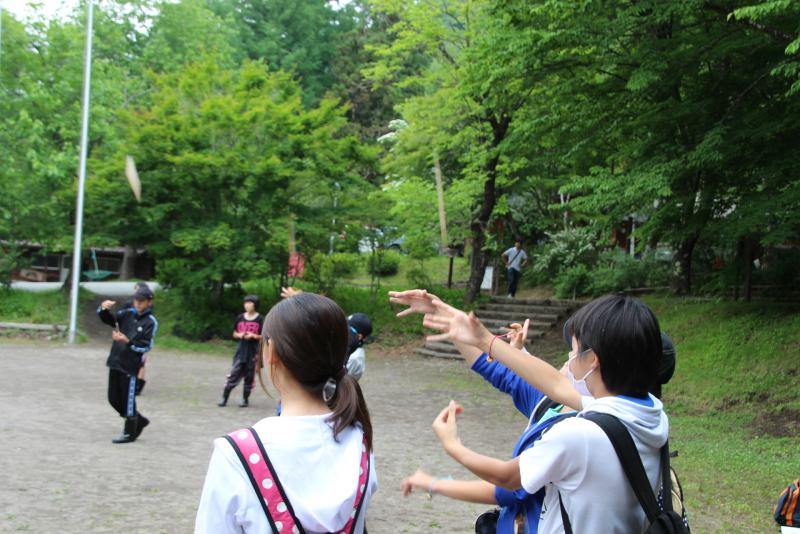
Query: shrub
(566, 249)
(618, 271)
(324, 271)
(573, 282)
(384, 263)
(417, 276)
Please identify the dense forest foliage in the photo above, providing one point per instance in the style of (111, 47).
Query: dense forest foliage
(628, 143)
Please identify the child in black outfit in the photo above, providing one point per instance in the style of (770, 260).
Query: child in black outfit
(247, 330)
(133, 334)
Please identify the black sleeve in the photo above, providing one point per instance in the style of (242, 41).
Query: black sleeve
(236, 322)
(106, 316)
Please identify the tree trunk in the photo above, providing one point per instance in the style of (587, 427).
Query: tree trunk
(479, 260)
(128, 268)
(748, 269)
(683, 283)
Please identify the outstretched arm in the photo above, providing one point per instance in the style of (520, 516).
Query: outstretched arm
(477, 491)
(459, 327)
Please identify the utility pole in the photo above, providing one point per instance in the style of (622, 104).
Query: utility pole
(76, 253)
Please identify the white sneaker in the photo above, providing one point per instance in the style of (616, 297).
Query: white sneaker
(510, 296)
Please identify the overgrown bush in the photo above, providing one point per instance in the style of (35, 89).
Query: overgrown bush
(618, 271)
(199, 317)
(384, 263)
(418, 277)
(573, 282)
(566, 249)
(325, 271)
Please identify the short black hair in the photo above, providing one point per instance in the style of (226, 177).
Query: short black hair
(625, 335)
(253, 299)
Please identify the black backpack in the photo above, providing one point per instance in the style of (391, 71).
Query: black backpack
(663, 519)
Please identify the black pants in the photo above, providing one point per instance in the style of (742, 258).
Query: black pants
(242, 370)
(122, 392)
(513, 279)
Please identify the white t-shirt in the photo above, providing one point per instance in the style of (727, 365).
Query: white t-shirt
(319, 475)
(515, 258)
(356, 363)
(576, 458)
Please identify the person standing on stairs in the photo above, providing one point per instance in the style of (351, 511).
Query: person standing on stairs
(515, 259)
(247, 329)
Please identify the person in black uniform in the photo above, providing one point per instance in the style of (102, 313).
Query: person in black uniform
(134, 331)
(141, 376)
(247, 329)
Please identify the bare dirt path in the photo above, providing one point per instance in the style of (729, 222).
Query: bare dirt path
(61, 472)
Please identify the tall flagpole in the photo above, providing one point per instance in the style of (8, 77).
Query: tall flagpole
(76, 254)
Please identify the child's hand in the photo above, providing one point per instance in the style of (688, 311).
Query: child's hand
(417, 300)
(419, 480)
(456, 326)
(116, 335)
(520, 334)
(107, 304)
(287, 292)
(445, 425)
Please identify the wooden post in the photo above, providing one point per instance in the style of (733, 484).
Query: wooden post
(450, 270)
(437, 171)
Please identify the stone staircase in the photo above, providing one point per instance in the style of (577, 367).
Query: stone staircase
(499, 312)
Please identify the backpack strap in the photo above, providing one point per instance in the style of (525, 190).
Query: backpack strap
(272, 497)
(541, 408)
(361, 491)
(666, 479)
(564, 516)
(264, 480)
(631, 461)
(514, 258)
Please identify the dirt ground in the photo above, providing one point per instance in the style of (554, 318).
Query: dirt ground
(61, 473)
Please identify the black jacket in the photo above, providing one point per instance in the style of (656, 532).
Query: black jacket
(141, 331)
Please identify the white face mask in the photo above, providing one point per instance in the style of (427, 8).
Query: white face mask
(579, 385)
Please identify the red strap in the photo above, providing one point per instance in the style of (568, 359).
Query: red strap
(265, 483)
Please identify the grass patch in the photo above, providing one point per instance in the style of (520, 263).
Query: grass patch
(734, 386)
(47, 307)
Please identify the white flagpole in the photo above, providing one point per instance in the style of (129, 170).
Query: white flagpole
(76, 254)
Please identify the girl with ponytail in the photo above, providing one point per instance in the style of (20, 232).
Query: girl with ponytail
(310, 469)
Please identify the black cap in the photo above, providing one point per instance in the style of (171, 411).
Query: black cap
(361, 323)
(143, 293)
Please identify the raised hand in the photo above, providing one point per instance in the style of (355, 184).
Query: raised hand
(287, 292)
(108, 304)
(520, 334)
(417, 300)
(456, 326)
(445, 427)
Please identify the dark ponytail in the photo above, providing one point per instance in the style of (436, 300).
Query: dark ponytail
(310, 336)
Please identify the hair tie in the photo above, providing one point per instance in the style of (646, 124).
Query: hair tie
(329, 390)
(341, 374)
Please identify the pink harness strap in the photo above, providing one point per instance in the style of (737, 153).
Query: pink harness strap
(268, 488)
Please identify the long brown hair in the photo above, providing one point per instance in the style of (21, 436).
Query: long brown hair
(310, 336)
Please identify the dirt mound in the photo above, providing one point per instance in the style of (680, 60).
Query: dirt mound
(782, 423)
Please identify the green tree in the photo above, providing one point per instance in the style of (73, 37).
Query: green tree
(224, 156)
